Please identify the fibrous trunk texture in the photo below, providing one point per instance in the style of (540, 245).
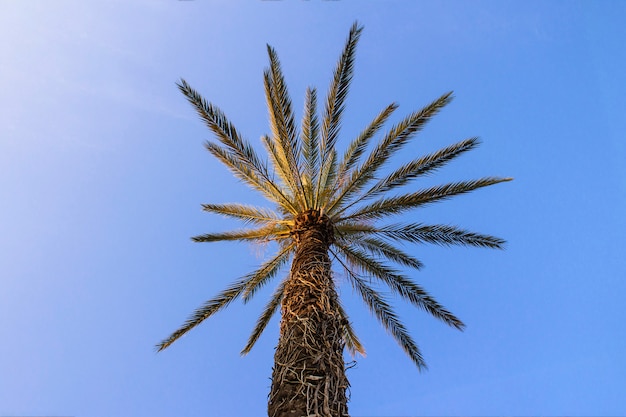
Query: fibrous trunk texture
(309, 377)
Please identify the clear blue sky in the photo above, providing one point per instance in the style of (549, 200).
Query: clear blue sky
(102, 173)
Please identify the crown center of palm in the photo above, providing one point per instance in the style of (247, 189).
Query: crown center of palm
(313, 224)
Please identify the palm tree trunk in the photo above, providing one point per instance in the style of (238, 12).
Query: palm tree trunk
(309, 378)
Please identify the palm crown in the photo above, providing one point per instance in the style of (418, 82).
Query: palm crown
(305, 174)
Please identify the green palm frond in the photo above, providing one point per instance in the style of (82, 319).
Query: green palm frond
(381, 248)
(393, 141)
(396, 205)
(205, 311)
(258, 181)
(244, 212)
(310, 144)
(281, 114)
(421, 166)
(224, 130)
(261, 235)
(281, 168)
(267, 271)
(338, 91)
(266, 316)
(439, 234)
(285, 138)
(327, 178)
(352, 341)
(387, 317)
(357, 147)
(399, 284)
(353, 229)
(335, 99)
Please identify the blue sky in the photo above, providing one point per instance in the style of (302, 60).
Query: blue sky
(102, 173)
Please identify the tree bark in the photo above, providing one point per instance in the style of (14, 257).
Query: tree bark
(308, 377)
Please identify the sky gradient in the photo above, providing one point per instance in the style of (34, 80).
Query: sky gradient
(102, 174)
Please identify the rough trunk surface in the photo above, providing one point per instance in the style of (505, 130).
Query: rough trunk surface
(309, 378)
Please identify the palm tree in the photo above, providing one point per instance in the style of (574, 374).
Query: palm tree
(326, 213)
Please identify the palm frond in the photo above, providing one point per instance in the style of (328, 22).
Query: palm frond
(267, 271)
(224, 131)
(381, 248)
(266, 316)
(310, 143)
(421, 166)
(356, 149)
(439, 234)
(244, 212)
(282, 169)
(393, 141)
(282, 121)
(352, 341)
(353, 229)
(326, 179)
(260, 182)
(205, 311)
(400, 285)
(279, 104)
(337, 93)
(387, 317)
(261, 234)
(396, 205)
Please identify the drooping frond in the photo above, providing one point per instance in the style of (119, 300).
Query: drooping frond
(439, 234)
(205, 311)
(310, 144)
(349, 336)
(393, 141)
(421, 166)
(399, 284)
(387, 317)
(244, 212)
(396, 205)
(261, 234)
(266, 316)
(379, 247)
(267, 271)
